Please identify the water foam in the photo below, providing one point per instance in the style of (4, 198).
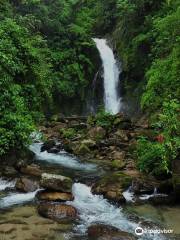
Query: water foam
(95, 209)
(17, 198)
(62, 158)
(6, 184)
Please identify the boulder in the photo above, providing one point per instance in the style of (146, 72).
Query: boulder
(77, 125)
(113, 142)
(48, 145)
(53, 150)
(97, 133)
(20, 163)
(69, 146)
(118, 164)
(104, 232)
(89, 143)
(124, 124)
(82, 149)
(9, 171)
(161, 199)
(118, 155)
(165, 186)
(26, 185)
(143, 186)
(54, 196)
(33, 170)
(115, 196)
(73, 124)
(56, 182)
(112, 187)
(57, 211)
(121, 135)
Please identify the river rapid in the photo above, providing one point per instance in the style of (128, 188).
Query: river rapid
(92, 209)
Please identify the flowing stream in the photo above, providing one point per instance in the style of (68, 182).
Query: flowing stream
(6, 184)
(91, 208)
(62, 158)
(111, 74)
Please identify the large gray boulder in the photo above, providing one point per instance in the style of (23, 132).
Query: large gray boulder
(56, 182)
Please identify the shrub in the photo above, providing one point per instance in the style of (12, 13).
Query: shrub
(156, 155)
(68, 133)
(102, 119)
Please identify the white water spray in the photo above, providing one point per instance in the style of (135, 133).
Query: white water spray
(111, 76)
(17, 198)
(95, 209)
(6, 184)
(62, 158)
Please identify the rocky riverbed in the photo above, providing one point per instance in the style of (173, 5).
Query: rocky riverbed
(82, 183)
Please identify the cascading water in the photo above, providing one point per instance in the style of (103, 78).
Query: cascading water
(92, 209)
(17, 198)
(6, 184)
(111, 76)
(62, 158)
(13, 198)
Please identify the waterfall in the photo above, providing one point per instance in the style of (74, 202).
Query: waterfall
(111, 76)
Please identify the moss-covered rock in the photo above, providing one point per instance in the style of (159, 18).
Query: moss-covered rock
(82, 149)
(112, 186)
(56, 182)
(121, 135)
(97, 133)
(118, 164)
(89, 143)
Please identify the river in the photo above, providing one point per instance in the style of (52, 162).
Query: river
(91, 208)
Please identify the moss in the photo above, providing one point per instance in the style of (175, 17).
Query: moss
(68, 133)
(117, 178)
(118, 164)
(83, 149)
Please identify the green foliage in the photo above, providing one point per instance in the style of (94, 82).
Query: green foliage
(47, 53)
(162, 94)
(34, 71)
(24, 83)
(163, 75)
(68, 132)
(156, 156)
(67, 28)
(102, 119)
(147, 40)
(152, 157)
